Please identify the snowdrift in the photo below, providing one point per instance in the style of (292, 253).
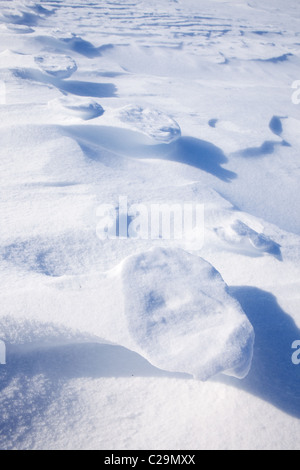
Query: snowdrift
(181, 317)
(164, 102)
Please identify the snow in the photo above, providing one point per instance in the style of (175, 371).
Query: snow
(181, 317)
(83, 108)
(57, 65)
(153, 123)
(134, 342)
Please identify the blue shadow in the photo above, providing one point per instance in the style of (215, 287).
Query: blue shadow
(213, 122)
(85, 48)
(267, 148)
(273, 377)
(202, 155)
(276, 125)
(275, 60)
(74, 87)
(187, 150)
(79, 88)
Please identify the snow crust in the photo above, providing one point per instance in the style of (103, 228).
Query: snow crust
(182, 318)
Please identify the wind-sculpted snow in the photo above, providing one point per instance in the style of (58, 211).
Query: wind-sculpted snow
(56, 65)
(83, 108)
(246, 240)
(151, 122)
(111, 111)
(181, 317)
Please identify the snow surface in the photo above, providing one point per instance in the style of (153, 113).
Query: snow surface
(161, 102)
(181, 317)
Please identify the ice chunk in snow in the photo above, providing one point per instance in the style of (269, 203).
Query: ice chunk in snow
(181, 317)
(151, 122)
(59, 66)
(84, 108)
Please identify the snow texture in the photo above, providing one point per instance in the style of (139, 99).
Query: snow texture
(83, 108)
(182, 318)
(59, 66)
(152, 123)
(167, 103)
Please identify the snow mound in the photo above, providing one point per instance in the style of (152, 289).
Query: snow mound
(151, 122)
(59, 66)
(76, 106)
(14, 60)
(182, 318)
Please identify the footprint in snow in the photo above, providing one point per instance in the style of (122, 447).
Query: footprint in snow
(151, 122)
(83, 108)
(59, 66)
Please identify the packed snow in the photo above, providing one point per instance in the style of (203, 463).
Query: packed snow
(178, 310)
(110, 337)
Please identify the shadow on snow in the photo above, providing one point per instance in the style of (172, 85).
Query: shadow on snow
(190, 151)
(273, 377)
(74, 87)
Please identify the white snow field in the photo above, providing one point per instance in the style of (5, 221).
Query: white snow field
(122, 340)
